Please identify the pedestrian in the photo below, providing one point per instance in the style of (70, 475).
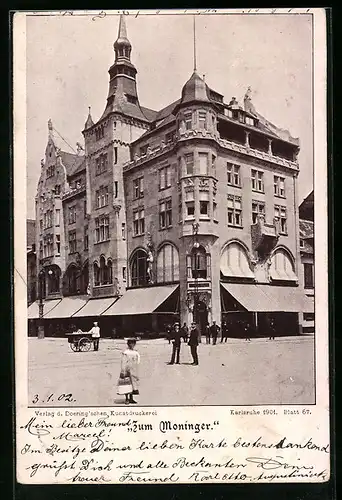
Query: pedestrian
(176, 344)
(207, 333)
(168, 333)
(95, 334)
(224, 332)
(214, 331)
(185, 332)
(193, 343)
(272, 329)
(247, 331)
(128, 383)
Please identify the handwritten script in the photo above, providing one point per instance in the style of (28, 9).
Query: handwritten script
(104, 447)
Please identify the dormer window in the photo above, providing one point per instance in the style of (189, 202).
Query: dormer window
(250, 121)
(131, 98)
(143, 150)
(228, 112)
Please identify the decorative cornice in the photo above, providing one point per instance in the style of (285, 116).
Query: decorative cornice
(224, 143)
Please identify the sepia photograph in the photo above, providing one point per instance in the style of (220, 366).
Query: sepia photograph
(170, 209)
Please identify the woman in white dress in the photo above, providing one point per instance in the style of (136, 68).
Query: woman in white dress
(130, 360)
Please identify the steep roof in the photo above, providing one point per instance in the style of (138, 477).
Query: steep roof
(195, 89)
(149, 113)
(72, 162)
(164, 112)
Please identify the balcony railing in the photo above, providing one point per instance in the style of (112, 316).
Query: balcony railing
(208, 134)
(73, 192)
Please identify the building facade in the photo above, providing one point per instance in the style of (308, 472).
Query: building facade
(31, 257)
(189, 212)
(307, 256)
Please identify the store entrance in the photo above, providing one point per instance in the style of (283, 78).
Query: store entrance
(201, 316)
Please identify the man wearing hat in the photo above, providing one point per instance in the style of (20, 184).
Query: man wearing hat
(176, 344)
(193, 343)
(95, 333)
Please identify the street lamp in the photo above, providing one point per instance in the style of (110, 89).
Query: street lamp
(195, 227)
(41, 280)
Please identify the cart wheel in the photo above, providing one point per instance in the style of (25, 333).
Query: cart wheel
(84, 344)
(73, 346)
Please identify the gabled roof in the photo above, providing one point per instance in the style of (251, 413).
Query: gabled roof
(73, 163)
(164, 112)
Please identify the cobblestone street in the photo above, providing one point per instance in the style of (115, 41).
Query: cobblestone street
(261, 371)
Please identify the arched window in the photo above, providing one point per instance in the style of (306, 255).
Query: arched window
(103, 271)
(234, 262)
(72, 280)
(96, 274)
(139, 268)
(53, 274)
(85, 277)
(198, 263)
(110, 271)
(282, 267)
(167, 264)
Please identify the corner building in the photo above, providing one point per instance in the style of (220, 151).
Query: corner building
(189, 213)
(212, 214)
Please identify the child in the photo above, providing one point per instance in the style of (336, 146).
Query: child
(130, 360)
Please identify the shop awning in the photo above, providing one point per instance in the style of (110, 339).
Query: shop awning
(66, 308)
(140, 301)
(248, 295)
(267, 298)
(95, 307)
(33, 309)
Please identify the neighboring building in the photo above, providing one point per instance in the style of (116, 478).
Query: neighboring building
(31, 261)
(193, 209)
(307, 254)
(306, 208)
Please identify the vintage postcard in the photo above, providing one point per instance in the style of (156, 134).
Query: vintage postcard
(170, 213)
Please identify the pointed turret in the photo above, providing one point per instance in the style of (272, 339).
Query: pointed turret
(122, 41)
(122, 94)
(89, 123)
(195, 89)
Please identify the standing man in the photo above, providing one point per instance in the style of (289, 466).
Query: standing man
(193, 343)
(168, 333)
(214, 330)
(185, 332)
(272, 328)
(207, 333)
(176, 344)
(95, 333)
(224, 332)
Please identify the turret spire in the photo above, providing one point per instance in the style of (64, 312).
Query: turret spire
(89, 123)
(122, 45)
(122, 33)
(194, 30)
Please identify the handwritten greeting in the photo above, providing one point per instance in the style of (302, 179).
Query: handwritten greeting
(105, 447)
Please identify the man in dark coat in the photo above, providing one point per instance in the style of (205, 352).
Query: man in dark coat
(224, 332)
(193, 343)
(185, 332)
(214, 330)
(176, 344)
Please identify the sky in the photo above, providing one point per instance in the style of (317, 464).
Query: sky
(68, 58)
